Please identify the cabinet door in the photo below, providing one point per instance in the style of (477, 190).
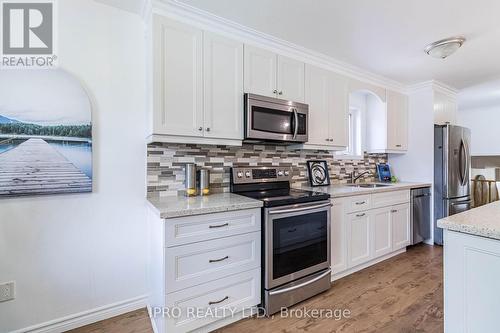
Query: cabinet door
(359, 238)
(178, 75)
(223, 87)
(381, 231)
(338, 237)
(318, 96)
(290, 79)
(260, 71)
(339, 108)
(397, 121)
(400, 216)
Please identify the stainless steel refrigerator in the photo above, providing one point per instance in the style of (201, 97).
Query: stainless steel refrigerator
(452, 165)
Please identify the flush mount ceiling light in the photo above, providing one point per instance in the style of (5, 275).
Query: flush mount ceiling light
(444, 47)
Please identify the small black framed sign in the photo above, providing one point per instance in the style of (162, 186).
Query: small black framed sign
(318, 173)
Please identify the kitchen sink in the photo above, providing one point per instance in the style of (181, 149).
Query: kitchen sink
(368, 185)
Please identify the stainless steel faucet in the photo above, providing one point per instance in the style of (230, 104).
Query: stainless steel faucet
(355, 178)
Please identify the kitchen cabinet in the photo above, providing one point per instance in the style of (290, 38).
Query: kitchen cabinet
(359, 238)
(269, 74)
(208, 261)
(387, 124)
(368, 228)
(178, 78)
(382, 231)
(338, 237)
(326, 94)
(223, 87)
(197, 85)
(400, 216)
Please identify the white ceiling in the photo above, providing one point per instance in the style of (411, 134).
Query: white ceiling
(386, 37)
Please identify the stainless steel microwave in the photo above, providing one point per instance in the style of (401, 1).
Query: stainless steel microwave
(274, 119)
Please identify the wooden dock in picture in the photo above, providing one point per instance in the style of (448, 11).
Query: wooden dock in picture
(35, 167)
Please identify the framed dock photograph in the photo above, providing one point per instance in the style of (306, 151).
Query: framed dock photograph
(45, 134)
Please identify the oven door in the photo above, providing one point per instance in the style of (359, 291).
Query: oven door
(297, 242)
(273, 119)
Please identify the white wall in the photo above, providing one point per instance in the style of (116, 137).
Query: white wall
(74, 253)
(418, 162)
(484, 123)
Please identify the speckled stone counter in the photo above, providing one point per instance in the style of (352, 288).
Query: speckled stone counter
(177, 206)
(344, 190)
(482, 221)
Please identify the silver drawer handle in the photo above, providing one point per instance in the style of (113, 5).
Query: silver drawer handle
(285, 290)
(218, 226)
(360, 202)
(360, 215)
(217, 302)
(217, 260)
(398, 145)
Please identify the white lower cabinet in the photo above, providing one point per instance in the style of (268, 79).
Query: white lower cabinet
(400, 226)
(362, 236)
(359, 239)
(382, 231)
(204, 269)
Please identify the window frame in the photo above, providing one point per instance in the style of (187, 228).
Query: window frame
(354, 149)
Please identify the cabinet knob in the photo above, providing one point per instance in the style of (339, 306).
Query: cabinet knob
(331, 140)
(394, 211)
(398, 145)
(275, 91)
(280, 93)
(207, 129)
(327, 139)
(200, 129)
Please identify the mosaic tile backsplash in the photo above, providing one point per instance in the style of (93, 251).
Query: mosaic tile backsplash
(166, 164)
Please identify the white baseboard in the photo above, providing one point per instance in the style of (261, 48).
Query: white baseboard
(340, 275)
(87, 317)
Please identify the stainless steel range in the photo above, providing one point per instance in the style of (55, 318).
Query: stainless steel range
(295, 235)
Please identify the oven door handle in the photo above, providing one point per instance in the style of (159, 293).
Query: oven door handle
(300, 285)
(296, 122)
(300, 209)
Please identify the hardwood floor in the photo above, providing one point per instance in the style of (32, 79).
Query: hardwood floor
(403, 294)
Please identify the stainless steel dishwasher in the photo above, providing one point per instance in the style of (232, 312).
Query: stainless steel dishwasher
(420, 222)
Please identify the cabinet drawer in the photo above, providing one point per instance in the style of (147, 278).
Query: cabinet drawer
(358, 203)
(236, 291)
(185, 230)
(390, 198)
(193, 264)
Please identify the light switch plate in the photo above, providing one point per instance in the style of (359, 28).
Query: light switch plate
(7, 291)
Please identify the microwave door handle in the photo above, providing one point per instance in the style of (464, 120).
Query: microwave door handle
(296, 123)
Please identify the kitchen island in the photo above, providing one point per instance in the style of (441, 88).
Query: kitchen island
(472, 270)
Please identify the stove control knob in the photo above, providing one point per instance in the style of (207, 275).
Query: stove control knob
(286, 173)
(248, 174)
(239, 174)
(280, 173)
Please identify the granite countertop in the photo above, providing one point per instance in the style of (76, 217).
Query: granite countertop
(343, 190)
(178, 206)
(481, 221)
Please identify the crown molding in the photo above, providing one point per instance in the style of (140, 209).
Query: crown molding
(208, 21)
(433, 85)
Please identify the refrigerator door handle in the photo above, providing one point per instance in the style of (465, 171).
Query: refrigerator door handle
(462, 162)
(467, 162)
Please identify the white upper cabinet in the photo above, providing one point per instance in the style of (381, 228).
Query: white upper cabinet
(290, 79)
(197, 84)
(260, 71)
(387, 123)
(269, 74)
(397, 121)
(223, 87)
(326, 94)
(178, 78)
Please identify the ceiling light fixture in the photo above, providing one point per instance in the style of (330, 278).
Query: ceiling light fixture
(444, 47)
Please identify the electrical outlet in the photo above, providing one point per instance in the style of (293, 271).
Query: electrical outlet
(7, 291)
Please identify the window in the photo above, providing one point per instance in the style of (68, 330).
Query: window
(353, 150)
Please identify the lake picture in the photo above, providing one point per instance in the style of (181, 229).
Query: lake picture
(46, 139)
